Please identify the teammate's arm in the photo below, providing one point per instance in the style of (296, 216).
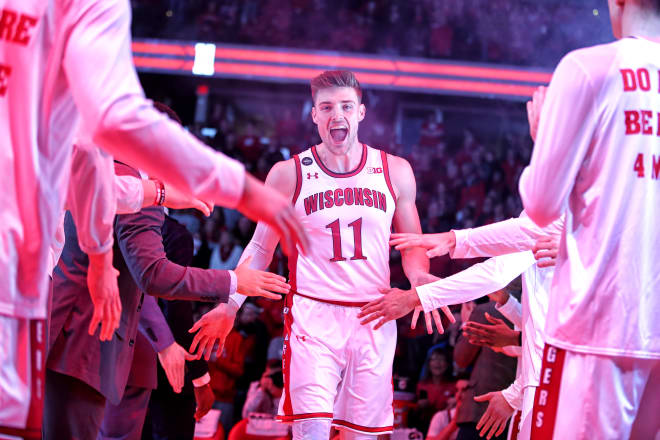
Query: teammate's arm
(214, 326)
(406, 220)
(565, 131)
(108, 94)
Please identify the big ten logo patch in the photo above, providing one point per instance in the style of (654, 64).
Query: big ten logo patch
(374, 170)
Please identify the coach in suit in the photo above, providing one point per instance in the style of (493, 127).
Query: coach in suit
(82, 372)
(171, 415)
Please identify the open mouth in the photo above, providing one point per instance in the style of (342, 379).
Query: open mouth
(338, 134)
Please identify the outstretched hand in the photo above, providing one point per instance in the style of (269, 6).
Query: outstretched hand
(104, 293)
(173, 361)
(498, 412)
(213, 327)
(176, 199)
(534, 110)
(545, 250)
(436, 245)
(394, 304)
(251, 282)
(496, 335)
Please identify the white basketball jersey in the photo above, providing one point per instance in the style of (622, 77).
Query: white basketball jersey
(348, 219)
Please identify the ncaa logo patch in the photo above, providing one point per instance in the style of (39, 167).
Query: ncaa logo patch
(307, 161)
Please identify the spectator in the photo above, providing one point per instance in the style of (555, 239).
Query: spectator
(443, 424)
(264, 394)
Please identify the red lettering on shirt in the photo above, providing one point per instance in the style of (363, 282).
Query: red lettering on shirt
(643, 79)
(632, 122)
(639, 165)
(16, 28)
(646, 118)
(5, 71)
(629, 83)
(656, 167)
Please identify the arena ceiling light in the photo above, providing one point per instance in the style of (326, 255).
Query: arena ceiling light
(292, 65)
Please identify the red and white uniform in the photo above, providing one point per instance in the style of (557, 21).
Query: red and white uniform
(509, 242)
(334, 367)
(597, 157)
(59, 60)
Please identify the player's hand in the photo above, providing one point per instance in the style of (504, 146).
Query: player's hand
(436, 245)
(534, 110)
(499, 296)
(104, 292)
(173, 361)
(432, 316)
(498, 412)
(545, 250)
(496, 335)
(213, 327)
(204, 399)
(251, 282)
(262, 203)
(394, 304)
(175, 199)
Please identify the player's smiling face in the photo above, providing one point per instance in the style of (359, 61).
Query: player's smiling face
(337, 112)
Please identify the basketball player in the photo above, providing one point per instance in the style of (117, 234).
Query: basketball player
(597, 157)
(58, 60)
(336, 371)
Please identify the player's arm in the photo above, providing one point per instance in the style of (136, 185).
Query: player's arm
(214, 326)
(134, 193)
(114, 110)
(406, 219)
(474, 282)
(565, 131)
(91, 201)
(504, 237)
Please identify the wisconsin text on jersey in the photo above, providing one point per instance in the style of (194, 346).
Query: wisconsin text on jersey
(346, 196)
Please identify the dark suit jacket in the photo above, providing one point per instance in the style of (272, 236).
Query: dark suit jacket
(140, 258)
(491, 371)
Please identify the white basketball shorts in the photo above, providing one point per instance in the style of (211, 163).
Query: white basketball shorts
(335, 368)
(22, 364)
(588, 396)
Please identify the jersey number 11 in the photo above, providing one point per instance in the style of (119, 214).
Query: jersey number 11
(336, 240)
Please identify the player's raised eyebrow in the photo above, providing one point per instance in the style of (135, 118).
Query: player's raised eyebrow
(345, 101)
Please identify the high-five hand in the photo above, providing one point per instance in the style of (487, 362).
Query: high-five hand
(251, 282)
(435, 244)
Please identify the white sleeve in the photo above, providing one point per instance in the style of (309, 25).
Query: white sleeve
(98, 64)
(91, 198)
(563, 139)
(439, 420)
(260, 248)
(512, 310)
(130, 194)
(514, 393)
(508, 236)
(474, 282)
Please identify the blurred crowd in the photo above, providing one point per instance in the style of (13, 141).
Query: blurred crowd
(462, 180)
(510, 32)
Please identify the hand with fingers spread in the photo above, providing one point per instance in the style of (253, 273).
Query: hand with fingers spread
(496, 335)
(534, 110)
(436, 245)
(204, 399)
(262, 203)
(104, 292)
(545, 250)
(173, 361)
(493, 422)
(213, 327)
(432, 316)
(251, 282)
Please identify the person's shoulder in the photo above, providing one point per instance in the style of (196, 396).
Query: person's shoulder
(594, 61)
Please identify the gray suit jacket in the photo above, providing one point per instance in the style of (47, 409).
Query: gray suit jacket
(143, 267)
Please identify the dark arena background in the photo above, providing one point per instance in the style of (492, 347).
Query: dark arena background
(445, 85)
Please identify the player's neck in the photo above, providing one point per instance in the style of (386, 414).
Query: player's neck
(341, 162)
(641, 24)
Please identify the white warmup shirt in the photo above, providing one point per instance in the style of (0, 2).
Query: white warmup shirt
(59, 59)
(510, 242)
(597, 157)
